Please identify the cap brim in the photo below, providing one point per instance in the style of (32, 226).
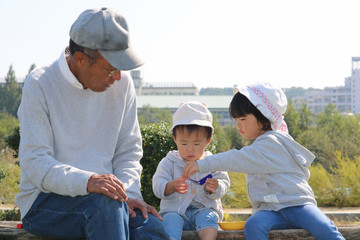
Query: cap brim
(195, 122)
(122, 60)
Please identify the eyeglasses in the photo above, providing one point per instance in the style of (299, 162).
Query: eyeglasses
(109, 73)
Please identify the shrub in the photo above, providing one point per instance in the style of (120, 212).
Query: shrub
(157, 142)
(9, 187)
(13, 141)
(10, 215)
(341, 187)
(7, 123)
(348, 179)
(322, 184)
(3, 173)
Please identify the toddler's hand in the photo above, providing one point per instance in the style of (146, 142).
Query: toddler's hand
(211, 185)
(189, 169)
(180, 185)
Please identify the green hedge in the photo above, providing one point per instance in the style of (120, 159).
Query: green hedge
(10, 215)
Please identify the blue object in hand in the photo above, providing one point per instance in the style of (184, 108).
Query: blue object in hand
(201, 181)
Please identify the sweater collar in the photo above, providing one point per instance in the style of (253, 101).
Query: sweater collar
(65, 70)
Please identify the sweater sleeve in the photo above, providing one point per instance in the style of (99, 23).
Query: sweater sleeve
(126, 161)
(36, 151)
(163, 175)
(224, 184)
(265, 156)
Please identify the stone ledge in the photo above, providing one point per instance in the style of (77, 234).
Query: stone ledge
(350, 233)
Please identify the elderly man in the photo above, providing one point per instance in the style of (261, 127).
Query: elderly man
(80, 141)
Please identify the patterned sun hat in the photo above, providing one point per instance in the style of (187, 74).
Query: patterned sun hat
(269, 100)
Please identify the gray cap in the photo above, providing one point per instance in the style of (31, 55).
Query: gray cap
(106, 30)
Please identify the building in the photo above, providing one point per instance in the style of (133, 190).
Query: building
(169, 96)
(162, 88)
(346, 98)
(218, 105)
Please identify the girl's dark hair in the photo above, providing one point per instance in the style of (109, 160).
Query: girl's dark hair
(192, 128)
(92, 53)
(240, 106)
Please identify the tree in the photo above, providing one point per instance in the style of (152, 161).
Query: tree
(147, 115)
(292, 119)
(32, 67)
(305, 117)
(343, 131)
(7, 124)
(10, 94)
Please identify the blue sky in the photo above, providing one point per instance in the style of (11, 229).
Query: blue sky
(211, 43)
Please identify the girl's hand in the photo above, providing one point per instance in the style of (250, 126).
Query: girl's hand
(179, 185)
(189, 169)
(211, 185)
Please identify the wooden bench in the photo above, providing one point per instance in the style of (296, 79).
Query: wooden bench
(8, 231)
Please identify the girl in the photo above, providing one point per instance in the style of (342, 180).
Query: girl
(275, 164)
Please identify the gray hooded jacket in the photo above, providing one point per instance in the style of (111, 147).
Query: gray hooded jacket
(276, 167)
(171, 168)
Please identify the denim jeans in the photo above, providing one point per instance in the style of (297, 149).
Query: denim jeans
(197, 219)
(94, 216)
(308, 217)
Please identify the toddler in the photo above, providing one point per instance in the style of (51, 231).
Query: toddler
(275, 164)
(185, 204)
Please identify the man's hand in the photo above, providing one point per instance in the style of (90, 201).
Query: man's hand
(189, 169)
(107, 184)
(134, 203)
(211, 185)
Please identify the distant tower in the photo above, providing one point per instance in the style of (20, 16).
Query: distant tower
(138, 80)
(355, 85)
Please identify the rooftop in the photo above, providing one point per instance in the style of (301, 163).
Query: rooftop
(173, 101)
(168, 84)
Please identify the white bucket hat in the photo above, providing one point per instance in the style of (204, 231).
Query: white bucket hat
(269, 100)
(195, 113)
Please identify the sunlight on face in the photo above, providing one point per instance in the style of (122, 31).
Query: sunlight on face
(249, 127)
(99, 75)
(191, 146)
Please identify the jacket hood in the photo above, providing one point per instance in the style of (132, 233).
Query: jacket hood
(301, 155)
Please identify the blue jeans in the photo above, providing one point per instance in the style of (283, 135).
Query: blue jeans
(197, 219)
(94, 216)
(308, 217)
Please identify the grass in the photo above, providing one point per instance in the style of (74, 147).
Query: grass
(9, 186)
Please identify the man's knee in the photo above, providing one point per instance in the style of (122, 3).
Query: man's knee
(151, 227)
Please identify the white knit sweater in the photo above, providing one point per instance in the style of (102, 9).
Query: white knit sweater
(68, 134)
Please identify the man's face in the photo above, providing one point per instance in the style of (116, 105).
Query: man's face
(98, 74)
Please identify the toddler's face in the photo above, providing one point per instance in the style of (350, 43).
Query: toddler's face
(249, 127)
(191, 146)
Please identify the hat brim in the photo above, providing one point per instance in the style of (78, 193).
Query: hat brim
(122, 60)
(256, 101)
(201, 123)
